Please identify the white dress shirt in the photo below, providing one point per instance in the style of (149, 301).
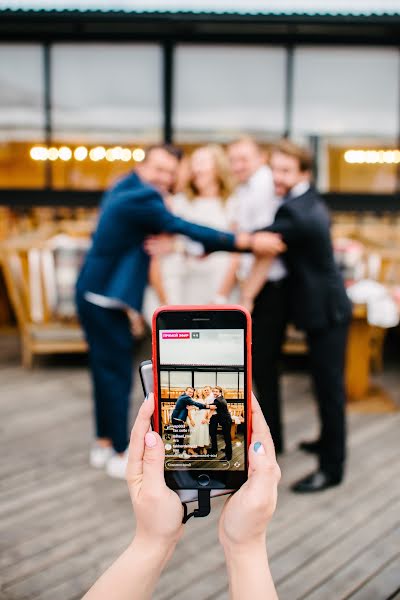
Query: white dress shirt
(253, 206)
(299, 189)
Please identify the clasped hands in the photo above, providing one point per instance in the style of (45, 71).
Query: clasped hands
(261, 243)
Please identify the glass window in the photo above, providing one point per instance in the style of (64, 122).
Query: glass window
(22, 120)
(106, 101)
(164, 379)
(229, 381)
(201, 379)
(347, 99)
(224, 91)
(180, 379)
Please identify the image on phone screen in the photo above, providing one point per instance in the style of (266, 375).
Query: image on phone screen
(202, 391)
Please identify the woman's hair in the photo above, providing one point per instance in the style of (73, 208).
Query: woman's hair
(222, 172)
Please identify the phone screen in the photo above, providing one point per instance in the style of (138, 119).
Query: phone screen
(202, 407)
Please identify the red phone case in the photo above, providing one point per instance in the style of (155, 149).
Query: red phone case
(248, 357)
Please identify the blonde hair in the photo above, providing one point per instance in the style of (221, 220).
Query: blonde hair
(222, 172)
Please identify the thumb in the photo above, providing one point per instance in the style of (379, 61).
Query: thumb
(153, 459)
(264, 472)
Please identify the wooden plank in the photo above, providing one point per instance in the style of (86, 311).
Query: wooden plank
(303, 581)
(382, 584)
(326, 520)
(367, 563)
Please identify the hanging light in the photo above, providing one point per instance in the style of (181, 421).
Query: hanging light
(138, 154)
(80, 153)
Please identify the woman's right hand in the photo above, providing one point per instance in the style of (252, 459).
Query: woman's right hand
(246, 514)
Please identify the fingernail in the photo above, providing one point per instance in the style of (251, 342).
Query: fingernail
(147, 396)
(259, 448)
(150, 440)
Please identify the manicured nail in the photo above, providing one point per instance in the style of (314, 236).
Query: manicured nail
(147, 396)
(150, 439)
(259, 448)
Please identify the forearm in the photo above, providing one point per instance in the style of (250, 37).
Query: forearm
(249, 574)
(134, 575)
(257, 277)
(229, 279)
(212, 239)
(155, 279)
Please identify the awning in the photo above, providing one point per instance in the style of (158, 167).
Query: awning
(356, 8)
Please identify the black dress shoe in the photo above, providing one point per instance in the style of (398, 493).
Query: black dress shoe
(315, 482)
(310, 447)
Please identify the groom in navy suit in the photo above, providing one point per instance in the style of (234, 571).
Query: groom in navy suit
(112, 281)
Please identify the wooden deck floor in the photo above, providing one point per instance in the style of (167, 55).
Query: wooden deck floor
(62, 523)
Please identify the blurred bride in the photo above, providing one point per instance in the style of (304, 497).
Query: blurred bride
(186, 276)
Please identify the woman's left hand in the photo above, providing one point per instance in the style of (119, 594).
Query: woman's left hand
(158, 509)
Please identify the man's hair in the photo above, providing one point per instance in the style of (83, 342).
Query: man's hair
(302, 154)
(189, 387)
(219, 388)
(170, 148)
(246, 139)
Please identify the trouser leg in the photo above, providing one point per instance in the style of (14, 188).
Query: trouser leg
(111, 347)
(327, 360)
(226, 432)
(269, 326)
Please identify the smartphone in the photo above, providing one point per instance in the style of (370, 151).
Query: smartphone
(202, 387)
(147, 379)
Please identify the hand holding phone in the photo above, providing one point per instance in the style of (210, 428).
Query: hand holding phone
(246, 514)
(158, 509)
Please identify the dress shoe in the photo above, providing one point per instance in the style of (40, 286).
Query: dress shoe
(315, 482)
(310, 447)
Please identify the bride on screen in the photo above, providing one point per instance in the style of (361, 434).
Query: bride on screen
(199, 420)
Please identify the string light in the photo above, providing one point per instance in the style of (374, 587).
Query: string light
(372, 157)
(81, 153)
(39, 153)
(138, 154)
(52, 154)
(65, 153)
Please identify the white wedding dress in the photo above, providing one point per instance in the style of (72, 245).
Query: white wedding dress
(199, 434)
(189, 279)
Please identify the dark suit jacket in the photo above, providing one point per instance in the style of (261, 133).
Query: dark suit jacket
(318, 295)
(181, 407)
(222, 412)
(116, 266)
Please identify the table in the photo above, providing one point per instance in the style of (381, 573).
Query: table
(362, 395)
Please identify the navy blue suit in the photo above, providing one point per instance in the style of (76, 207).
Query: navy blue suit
(180, 411)
(116, 266)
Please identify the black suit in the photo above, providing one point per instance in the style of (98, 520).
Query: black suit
(320, 306)
(221, 417)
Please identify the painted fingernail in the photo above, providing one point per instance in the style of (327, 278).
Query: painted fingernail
(259, 448)
(150, 439)
(147, 396)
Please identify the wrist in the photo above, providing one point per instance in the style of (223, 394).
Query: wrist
(235, 551)
(157, 550)
(244, 241)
